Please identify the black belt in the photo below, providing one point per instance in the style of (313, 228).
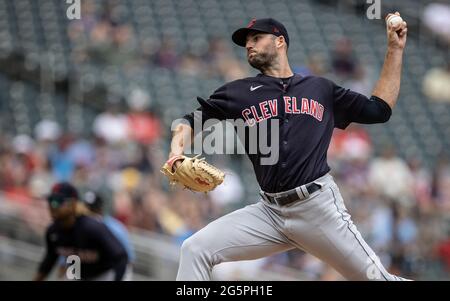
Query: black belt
(292, 195)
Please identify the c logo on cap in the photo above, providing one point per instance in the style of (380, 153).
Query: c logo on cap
(252, 22)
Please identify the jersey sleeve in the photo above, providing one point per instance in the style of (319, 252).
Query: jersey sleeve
(347, 105)
(374, 111)
(50, 256)
(105, 238)
(113, 250)
(213, 108)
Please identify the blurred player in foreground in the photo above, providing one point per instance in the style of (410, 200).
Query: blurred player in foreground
(75, 232)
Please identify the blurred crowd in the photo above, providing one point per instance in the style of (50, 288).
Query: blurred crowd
(401, 206)
(105, 37)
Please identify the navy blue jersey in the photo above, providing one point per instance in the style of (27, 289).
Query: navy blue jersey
(307, 108)
(99, 250)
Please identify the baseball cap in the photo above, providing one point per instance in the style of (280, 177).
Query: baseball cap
(266, 25)
(93, 200)
(60, 193)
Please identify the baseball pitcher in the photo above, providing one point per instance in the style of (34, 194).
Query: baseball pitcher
(300, 206)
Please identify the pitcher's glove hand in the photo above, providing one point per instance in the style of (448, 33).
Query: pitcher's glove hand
(193, 173)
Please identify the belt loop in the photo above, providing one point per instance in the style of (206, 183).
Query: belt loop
(300, 193)
(320, 184)
(305, 191)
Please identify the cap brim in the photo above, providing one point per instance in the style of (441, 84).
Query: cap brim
(58, 198)
(239, 37)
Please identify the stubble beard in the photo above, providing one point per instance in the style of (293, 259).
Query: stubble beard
(263, 61)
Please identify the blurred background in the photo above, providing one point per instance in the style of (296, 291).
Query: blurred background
(91, 101)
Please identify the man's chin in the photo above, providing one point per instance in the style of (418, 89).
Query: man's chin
(254, 64)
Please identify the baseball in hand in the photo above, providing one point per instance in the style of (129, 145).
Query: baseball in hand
(394, 20)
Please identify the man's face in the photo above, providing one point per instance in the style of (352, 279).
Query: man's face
(63, 211)
(261, 49)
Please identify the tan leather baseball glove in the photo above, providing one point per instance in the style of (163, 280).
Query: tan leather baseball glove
(194, 174)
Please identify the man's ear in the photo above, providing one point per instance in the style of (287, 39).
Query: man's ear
(280, 41)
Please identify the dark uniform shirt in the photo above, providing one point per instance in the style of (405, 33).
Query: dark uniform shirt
(307, 108)
(99, 250)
